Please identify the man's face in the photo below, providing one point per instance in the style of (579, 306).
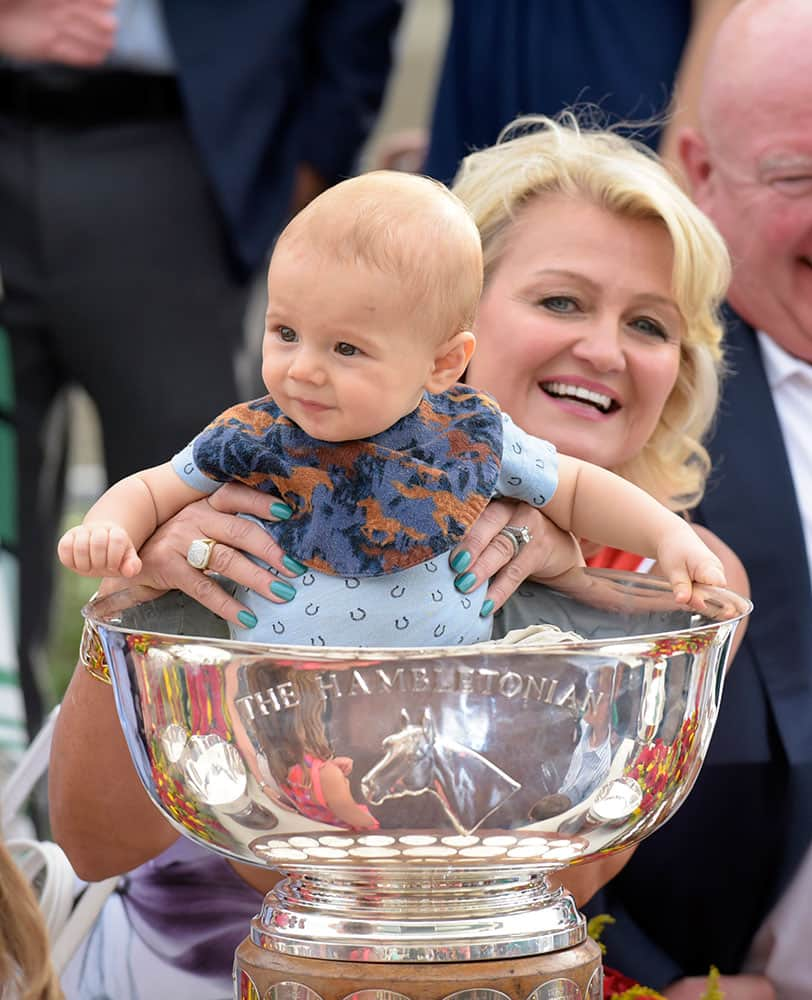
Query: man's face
(757, 187)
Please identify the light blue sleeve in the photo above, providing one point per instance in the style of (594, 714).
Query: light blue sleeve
(186, 467)
(529, 466)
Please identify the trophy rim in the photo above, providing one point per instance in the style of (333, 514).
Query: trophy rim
(95, 612)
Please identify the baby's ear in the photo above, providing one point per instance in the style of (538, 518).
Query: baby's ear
(450, 361)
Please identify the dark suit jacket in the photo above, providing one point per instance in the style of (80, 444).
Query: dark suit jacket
(518, 57)
(698, 889)
(268, 84)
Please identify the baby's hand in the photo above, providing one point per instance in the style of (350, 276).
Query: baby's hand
(99, 549)
(684, 559)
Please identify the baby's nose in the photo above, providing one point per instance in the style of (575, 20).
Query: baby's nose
(306, 367)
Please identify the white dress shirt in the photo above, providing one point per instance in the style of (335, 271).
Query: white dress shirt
(780, 949)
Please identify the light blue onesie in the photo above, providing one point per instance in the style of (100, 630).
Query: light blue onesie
(416, 606)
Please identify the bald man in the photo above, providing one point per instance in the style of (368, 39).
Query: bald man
(701, 890)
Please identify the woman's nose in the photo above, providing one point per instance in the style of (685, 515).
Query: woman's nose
(600, 345)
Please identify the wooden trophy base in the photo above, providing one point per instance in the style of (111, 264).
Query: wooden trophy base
(572, 974)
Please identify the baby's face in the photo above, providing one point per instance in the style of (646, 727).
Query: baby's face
(341, 355)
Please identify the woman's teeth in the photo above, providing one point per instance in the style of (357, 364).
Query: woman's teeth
(563, 391)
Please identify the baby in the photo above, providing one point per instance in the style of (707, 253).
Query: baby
(367, 435)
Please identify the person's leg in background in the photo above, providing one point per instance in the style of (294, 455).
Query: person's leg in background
(117, 278)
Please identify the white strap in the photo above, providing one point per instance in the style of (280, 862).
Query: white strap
(45, 864)
(80, 922)
(30, 768)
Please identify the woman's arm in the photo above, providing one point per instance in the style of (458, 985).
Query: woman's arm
(583, 881)
(101, 815)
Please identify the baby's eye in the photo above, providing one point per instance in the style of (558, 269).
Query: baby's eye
(649, 327)
(559, 303)
(346, 350)
(288, 335)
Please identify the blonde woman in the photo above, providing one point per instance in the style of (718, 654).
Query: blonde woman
(598, 320)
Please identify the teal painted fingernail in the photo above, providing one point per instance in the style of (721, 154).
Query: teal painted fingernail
(461, 561)
(293, 565)
(487, 607)
(465, 582)
(247, 618)
(284, 590)
(281, 510)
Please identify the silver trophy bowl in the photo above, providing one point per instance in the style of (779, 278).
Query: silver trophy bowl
(416, 799)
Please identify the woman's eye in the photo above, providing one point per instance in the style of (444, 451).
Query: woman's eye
(346, 350)
(559, 303)
(650, 327)
(287, 335)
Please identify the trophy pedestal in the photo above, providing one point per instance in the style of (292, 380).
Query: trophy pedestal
(478, 937)
(571, 974)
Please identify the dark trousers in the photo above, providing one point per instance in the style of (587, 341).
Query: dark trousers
(116, 278)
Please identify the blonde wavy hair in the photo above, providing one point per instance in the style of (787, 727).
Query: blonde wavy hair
(25, 967)
(536, 155)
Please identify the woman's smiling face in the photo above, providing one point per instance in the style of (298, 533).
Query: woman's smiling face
(578, 332)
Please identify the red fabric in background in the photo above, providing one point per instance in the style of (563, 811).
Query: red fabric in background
(607, 558)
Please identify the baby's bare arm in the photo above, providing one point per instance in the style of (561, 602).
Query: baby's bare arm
(121, 520)
(596, 504)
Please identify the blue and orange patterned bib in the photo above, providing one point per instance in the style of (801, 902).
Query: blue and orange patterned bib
(362, 508)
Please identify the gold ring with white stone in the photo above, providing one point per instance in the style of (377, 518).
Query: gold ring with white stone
(198, 554)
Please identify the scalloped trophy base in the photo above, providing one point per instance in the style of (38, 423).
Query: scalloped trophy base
(571, 974)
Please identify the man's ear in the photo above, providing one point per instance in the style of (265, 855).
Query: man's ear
(450, 361)
(693, 155)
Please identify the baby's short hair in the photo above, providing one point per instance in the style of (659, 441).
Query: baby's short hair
(406, 225)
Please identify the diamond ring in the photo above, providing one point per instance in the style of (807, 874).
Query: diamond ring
(198, 554)
(518, 537)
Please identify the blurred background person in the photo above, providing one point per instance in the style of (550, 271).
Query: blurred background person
(149, 154)
(630, 60)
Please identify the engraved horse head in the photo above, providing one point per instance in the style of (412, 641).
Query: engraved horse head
(419, 760)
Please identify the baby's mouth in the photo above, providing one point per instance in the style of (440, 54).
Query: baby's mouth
(563, 390)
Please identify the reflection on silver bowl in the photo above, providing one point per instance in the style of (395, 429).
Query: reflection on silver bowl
(448, 779)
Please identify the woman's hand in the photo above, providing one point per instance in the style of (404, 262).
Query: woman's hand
(485, 554)
(164, 554)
